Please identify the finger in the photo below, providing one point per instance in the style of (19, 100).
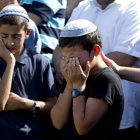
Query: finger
(72, 63)
(79, 68)
(63, 62)
(103, 56)
(3, 47)
(2, 44)
(87, 68)
(106, 59)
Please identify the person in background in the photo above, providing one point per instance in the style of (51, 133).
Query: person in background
(91, 103)
(49, 17)
(119, 24)
(27, 88)
(127, 73)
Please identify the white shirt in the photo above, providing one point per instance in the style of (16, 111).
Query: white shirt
(119, 25)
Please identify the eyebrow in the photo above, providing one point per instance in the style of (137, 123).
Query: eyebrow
(12, 35)
(4, 33)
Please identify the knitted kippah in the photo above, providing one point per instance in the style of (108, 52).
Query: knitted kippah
(13, 9)
(78, 27)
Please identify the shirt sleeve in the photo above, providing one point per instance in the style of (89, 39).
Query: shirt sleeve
(45, 9)
(127, 32)
(49, 86)
(103, 89)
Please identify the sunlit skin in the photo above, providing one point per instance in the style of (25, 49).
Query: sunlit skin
(82, 55)
(76, 66)
(13, 38)
(79, 63)
(104, 3)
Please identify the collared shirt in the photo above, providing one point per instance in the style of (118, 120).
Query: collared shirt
(32, 79)
(119, 25)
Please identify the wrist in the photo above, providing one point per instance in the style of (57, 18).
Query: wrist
(10, 63)
(76, 92)
(10, 60)
(27, 104)
(36, 108)
(81, 88)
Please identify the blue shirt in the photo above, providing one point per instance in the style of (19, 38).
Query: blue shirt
(33, 42)
(53, 14)
(32, 79)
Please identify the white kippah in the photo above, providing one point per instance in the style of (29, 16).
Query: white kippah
(78, 27)
(13, 9)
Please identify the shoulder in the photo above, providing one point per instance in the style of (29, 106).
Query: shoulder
(107, 73)
(38, 58)
(108, 78)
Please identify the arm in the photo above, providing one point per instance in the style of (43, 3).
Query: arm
(120, 58)
(16, 102)
(48, 95)
(6, 80)
(126, 37)
(63, 106)
(37, 19)
(127, 73)
(61, 110)
(41, 11)
(87, 113)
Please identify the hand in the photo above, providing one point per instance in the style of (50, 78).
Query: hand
(77, 76)
(110, 63)
(14, 102)
(64, 69)
(5, 53)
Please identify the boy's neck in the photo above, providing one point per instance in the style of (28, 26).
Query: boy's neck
(19, 54)
(100, 64)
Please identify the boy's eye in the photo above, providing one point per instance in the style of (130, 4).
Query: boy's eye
(16, 36)
(3, 36)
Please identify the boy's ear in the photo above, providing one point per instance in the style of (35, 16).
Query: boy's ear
(28, 33)
(97, 49)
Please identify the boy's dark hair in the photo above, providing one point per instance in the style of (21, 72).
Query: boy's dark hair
(14, 20)
(86, 41)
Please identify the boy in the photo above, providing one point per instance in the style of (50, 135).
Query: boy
(33, 42)
(27, 88)
(92, 102)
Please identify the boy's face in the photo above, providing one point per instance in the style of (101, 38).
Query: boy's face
(13, 37)
(77, 51)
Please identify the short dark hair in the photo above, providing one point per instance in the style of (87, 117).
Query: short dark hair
(86, 41)
(14, 20)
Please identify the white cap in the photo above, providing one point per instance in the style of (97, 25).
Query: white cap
(78, 27)
(13, 9)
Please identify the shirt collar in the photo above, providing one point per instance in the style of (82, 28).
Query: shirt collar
(24, 57)
(120, 2)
